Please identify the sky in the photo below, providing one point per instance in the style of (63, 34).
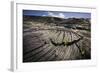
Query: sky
(57, 14)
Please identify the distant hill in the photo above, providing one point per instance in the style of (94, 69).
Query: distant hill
(58, 20)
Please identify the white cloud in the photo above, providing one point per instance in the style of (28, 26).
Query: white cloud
(51, 14)
(61, 15)
(43, 15)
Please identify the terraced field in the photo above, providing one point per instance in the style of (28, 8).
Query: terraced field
(47, 41)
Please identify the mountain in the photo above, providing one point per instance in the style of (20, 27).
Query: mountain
(58, 20)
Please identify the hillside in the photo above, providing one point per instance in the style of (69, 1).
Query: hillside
(55, 39)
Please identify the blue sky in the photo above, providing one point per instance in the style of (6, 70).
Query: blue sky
(57, 14)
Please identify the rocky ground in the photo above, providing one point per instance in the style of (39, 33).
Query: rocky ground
(54, 39)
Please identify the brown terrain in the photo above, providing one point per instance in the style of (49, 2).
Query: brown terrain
(56, 39)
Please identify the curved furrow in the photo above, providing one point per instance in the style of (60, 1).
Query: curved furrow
(27, 57)
(84, 49)
(75, 32)
(80, 50)
(32, 47)
(62, 52)
(87, 43)
(74, 37)
(51, 57)
(69, 48)
(32, 41)
(63, 36)
(60, 37)
(75, 53)
(57, 54)
(43, 54)
(48, 55)
(32, 33)
(67, 53)
(36, 51)
(40, 54)
(66, 38)
(69, 37)
(54, 36)
(57, 36)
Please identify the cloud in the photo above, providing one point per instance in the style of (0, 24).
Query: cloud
(61, 15)
(44, 15)
(51, 14)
